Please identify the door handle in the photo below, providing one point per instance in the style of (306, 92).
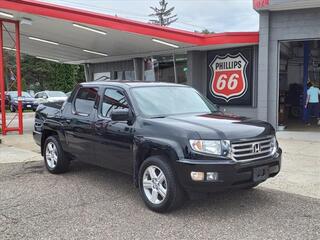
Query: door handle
(68, 120)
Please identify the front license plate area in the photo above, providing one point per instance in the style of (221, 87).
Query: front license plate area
(28, 106)
(260, 173)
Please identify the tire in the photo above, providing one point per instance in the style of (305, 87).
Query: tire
(169, 194)
(12, 108)
(54, 156)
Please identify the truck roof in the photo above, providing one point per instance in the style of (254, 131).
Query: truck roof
(130, 84)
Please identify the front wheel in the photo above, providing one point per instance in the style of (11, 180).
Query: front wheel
(54, 158)
(158, 186)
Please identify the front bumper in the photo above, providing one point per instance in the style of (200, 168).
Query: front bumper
(26, 106)
(232, 174)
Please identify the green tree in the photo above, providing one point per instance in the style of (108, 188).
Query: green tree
(65, 77)
(205, 31)
(163, 15)
(38, 74)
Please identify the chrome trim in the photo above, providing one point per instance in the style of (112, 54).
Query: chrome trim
(251, 139)
(249, 142)
(251, 154)
(245, 148)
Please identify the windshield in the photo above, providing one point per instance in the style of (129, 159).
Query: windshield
(56, 94)
(163, 101)
(23, 94)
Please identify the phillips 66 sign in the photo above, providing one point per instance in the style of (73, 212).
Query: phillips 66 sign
(230, 76)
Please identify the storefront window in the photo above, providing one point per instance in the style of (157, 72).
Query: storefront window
(163, 68)
(102, 76)
(129, 75)
(181, 68)
(149, 69)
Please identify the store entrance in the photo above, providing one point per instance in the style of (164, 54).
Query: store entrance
(299, 64)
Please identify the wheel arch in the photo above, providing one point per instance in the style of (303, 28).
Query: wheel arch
(142, 150)
(50, 128)
(45, 134)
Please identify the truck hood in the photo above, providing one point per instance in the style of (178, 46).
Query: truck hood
(222, 126)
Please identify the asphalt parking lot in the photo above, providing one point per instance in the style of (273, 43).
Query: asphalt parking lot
(93, 203)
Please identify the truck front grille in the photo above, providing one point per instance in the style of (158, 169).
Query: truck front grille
(250, 150)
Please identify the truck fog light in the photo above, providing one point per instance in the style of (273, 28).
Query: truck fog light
(197, 176)
(212, 176)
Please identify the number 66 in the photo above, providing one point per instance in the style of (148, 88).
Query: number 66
(230, 83)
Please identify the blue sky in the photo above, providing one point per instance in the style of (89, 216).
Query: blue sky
(215, 15)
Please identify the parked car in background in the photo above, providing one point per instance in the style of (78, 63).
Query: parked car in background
(50, 96)
(28, 102)
(6, 101)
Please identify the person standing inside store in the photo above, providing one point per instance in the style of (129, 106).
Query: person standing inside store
(312, 103)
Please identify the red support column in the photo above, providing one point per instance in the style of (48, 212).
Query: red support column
(2, 85)
(18, 73)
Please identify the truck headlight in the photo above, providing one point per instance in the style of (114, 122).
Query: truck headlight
(207, 146)
(274, 145)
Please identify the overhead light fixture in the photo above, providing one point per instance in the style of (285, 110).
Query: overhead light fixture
(8, 15)
(165, 43)
(43, 40)
(89, 29)
(48, 59)
(9, 48)
(97, 53)
(26, 21)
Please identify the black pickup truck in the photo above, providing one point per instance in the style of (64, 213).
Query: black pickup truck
(171, 139)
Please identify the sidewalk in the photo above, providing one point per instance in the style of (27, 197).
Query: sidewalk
(299, 136)
(18, 148)
(300, 170)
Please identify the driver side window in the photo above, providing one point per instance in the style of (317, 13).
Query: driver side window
(113, 99)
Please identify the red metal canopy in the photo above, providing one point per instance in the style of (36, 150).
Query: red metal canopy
(118, 23)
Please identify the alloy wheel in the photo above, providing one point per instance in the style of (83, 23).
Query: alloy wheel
(51, 155)
(154, 184)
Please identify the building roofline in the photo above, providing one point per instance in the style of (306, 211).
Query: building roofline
(122, 24)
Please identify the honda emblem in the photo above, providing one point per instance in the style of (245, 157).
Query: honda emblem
(256, 148)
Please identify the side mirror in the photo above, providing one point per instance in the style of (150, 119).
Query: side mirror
(45, 97)
(121, 115)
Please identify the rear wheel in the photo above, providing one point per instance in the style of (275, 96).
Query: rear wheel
(54, 158)
(158, 186)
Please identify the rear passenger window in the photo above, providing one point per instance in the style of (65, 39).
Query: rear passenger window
(85, 100)
(112, 99)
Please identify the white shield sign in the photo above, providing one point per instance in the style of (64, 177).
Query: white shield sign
(228, 76)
